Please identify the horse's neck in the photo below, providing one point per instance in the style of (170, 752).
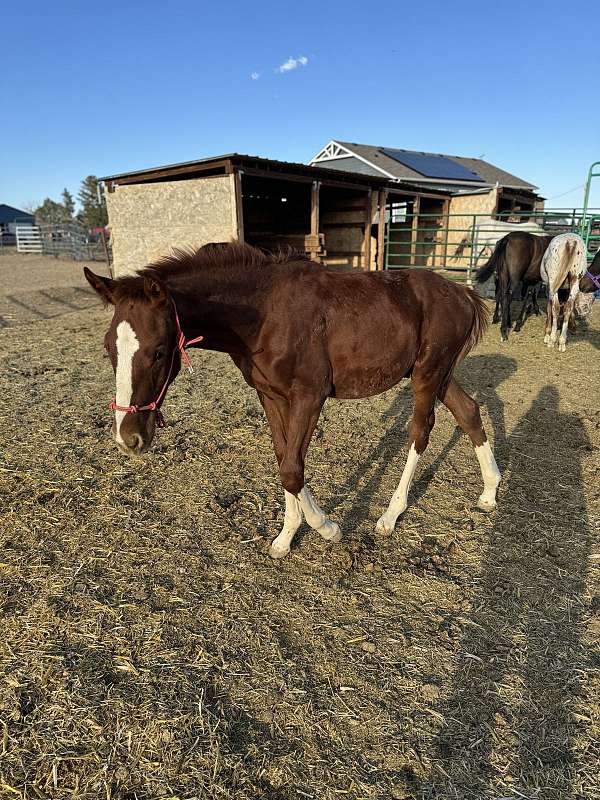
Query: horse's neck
(217, 305)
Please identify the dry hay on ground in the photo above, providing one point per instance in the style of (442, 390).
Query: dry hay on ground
(151, 649)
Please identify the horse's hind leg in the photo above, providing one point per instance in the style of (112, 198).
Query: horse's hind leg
(524, 309)
(552, 314)
(568, 310)
(505, 301)
(535, 294)
(496, 317)
(466, 413)
(422, 422)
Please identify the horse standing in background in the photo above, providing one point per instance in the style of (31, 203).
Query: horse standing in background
(299, 333)
(563, 265)
(589, 288)
(515, 260)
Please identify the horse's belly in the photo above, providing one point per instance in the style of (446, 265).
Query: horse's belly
(367, 381)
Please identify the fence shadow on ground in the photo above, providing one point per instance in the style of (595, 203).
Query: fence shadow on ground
(44, 304)
(508, 721)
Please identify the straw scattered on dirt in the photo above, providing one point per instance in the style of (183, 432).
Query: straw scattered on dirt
(151, 649)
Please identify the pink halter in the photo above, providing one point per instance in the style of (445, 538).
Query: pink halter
(181, 344)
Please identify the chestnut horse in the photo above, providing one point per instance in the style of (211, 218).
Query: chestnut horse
(299, 333)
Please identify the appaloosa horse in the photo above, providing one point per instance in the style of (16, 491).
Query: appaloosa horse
(299, 332)
(516, 259)
(563, 265)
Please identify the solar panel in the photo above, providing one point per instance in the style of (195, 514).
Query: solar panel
(433, 166)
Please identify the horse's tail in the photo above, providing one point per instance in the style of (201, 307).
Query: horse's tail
(473, 334)
(567, 258)
(485, 272)
(479, 323)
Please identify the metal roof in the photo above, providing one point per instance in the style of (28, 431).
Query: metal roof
(11, 214)
(241, 160)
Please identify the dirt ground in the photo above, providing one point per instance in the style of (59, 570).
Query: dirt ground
(151, 649)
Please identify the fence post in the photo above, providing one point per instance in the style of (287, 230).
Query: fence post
(473, 246)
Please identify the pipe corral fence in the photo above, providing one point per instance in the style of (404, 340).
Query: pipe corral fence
(458, 244)
(66, 240)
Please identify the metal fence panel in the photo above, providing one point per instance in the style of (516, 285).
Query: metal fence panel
(28, 239)
(458, 244)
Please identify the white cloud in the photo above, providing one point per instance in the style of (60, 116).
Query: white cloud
(255, 75)
(292, 63)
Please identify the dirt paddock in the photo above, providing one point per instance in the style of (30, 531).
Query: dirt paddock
(151, 650)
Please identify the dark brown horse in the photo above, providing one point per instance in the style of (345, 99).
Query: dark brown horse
(516, 260)
(299, 332)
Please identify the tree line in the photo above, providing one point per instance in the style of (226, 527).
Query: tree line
(92, 213)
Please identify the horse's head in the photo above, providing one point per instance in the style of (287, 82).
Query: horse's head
(142, 345)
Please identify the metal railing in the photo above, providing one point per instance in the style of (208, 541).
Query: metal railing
(458, 244)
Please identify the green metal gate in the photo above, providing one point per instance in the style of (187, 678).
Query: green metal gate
(458, 244)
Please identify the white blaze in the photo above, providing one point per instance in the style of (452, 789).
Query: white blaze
(127, 346)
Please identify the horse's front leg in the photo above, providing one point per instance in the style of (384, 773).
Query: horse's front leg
(292, 427)
(305, 409)
(277, 414)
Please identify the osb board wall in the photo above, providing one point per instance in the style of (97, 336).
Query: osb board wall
(147, 220)
(459, 233)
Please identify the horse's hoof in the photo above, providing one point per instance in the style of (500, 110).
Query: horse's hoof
(546, 338)
(562, 347)
(278, 551)
(483, 504)
(504, 339)
(330, 531)
(384, 527)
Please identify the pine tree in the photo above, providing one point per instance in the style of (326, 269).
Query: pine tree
(93, 212)
(51, 212)
(68, 203)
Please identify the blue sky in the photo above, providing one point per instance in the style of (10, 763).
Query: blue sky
(104, 88)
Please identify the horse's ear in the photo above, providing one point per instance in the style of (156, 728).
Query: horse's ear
(104, 286)
(156, 291)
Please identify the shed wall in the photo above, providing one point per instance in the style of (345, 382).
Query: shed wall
(459, 235)
(147, 220)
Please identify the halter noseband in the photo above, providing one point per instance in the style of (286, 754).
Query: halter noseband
(595, 279)
(180, 345)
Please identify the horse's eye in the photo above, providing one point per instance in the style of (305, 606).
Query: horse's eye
(160, 353)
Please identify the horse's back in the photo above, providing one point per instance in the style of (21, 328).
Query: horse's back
(566, 254)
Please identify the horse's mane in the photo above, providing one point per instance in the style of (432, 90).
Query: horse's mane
(215, 256)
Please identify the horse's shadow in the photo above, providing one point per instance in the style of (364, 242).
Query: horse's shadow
(486, 372)
(518, 677)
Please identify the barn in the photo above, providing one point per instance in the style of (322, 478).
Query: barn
(435, 199)
(474, 185)
(336, 216)
(353, 206)
(10, 217)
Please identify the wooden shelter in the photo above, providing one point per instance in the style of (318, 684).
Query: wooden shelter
(337, 217)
